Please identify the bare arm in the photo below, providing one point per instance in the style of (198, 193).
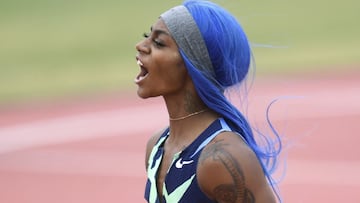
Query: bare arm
(229, 172)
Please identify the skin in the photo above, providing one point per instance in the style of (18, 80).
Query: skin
(236, 175)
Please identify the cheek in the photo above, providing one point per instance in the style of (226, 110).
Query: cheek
(171, 65)
(176, 71)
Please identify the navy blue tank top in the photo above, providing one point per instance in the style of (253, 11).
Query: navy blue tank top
(180, 185)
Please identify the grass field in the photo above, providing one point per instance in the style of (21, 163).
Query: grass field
(51, 49)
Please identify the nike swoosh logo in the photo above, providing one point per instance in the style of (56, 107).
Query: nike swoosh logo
(180, 163)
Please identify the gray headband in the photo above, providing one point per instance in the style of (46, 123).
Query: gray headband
(187, 35)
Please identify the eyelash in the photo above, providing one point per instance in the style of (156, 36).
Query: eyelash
(146, 35)
(155, 41)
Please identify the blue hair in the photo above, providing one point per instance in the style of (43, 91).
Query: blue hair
(231, 56)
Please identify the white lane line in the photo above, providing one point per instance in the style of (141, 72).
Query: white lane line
(313, 104)
(79, 127)
(152, 117)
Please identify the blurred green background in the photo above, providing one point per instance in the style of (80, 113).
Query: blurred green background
(53, 49)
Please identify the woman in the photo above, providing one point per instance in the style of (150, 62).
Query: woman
(208, 153)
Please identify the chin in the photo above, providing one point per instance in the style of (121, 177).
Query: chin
(143, 94)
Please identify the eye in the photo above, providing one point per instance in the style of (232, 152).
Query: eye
(158, 43)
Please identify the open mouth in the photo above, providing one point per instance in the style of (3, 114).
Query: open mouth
(143, 72)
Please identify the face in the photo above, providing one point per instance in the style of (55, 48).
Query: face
(162, 70)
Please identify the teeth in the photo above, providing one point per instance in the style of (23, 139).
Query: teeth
(139, 63)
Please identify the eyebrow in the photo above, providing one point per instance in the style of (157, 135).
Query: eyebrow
(159, 31)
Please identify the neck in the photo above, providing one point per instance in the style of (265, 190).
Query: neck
(185, 131)
(184, 105)
(187, 116)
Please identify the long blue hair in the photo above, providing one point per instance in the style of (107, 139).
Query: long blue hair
(231, 57)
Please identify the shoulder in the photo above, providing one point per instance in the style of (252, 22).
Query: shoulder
(235, 171)
(151, 143)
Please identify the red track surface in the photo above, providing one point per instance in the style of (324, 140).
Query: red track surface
(93, 151)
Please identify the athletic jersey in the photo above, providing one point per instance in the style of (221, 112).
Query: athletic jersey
(180, 185)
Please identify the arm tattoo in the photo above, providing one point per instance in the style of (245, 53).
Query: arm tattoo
(228, 193)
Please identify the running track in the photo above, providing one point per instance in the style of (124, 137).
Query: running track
(92, 150)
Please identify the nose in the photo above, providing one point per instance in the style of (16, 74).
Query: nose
(143, 47)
